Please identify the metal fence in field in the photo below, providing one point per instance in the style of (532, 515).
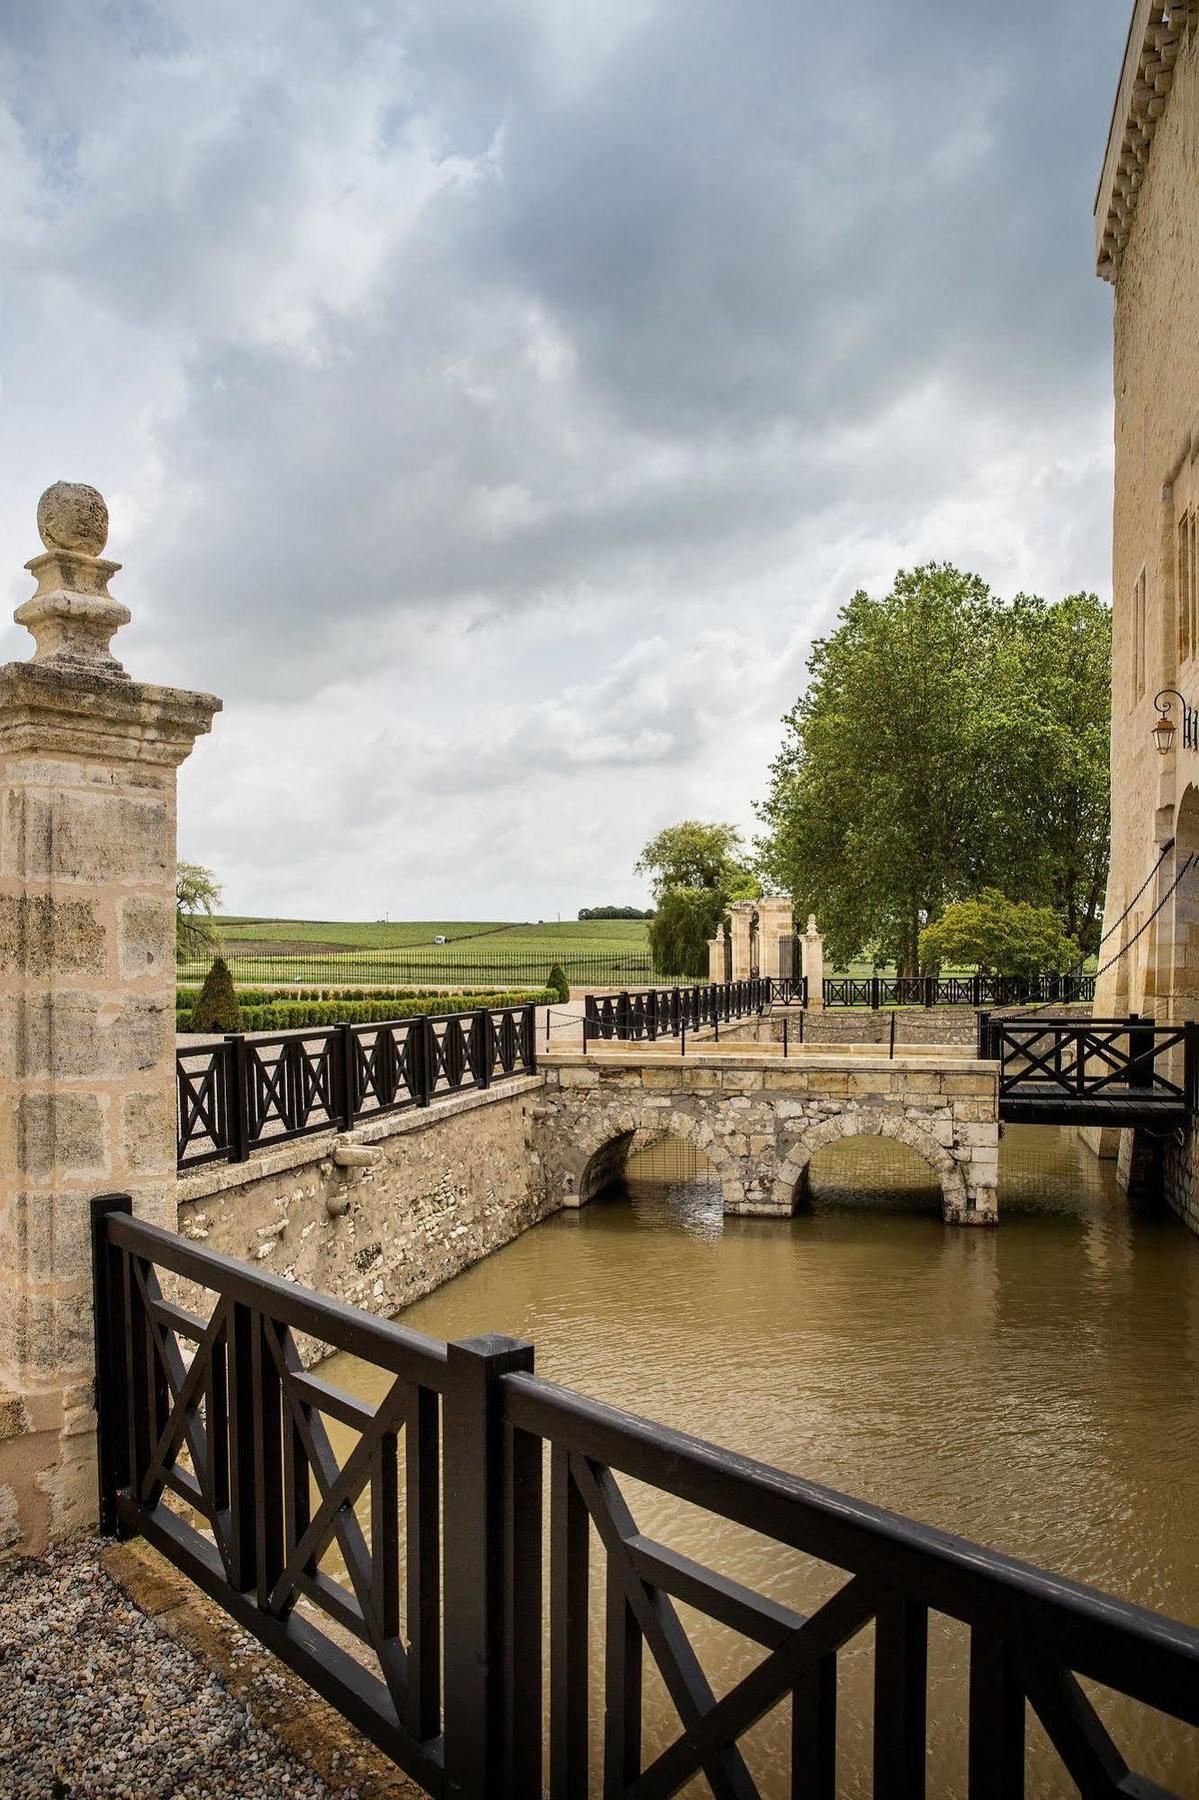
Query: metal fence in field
(493, 972)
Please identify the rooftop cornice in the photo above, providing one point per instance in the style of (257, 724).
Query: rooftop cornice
(1155, 39)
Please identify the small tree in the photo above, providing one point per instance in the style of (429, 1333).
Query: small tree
(679, 931)
(557, 980)
(197, 896)
(999, 936)
(216, 1008)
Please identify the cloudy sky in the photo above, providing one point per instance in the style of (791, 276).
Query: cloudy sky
(493, 398)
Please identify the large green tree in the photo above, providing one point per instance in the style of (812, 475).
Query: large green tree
(197, 896)
(693, 854)
(946, 742)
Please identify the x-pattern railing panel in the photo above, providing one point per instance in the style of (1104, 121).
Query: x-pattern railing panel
(202, 1124)
(252, 1475)
(1092, 1059)
(1033, 1637)
(280, 1522)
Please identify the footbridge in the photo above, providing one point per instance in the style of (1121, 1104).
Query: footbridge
(759, 1118)
(759, 1103)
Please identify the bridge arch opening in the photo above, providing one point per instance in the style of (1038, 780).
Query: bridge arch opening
(665, 1149)
(871, 1158)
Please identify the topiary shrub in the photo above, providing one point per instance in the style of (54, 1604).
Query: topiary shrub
(217, 1008)
(557, 980)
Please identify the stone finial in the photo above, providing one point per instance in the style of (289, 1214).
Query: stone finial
(72, 616)
(73, 516)
(812, 932)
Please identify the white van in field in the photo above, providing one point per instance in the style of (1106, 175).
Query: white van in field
(439, 940)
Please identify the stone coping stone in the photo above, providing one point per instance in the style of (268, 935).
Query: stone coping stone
(222, 1177)
(832, 1057)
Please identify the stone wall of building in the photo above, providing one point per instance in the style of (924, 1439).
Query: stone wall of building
(759, 1121)
(1152, 261)
(385, 1213)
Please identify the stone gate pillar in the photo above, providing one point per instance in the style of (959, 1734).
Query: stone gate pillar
(716, 958)
(813, 964)
(776, 928)
(87, 1003)
(741, 914)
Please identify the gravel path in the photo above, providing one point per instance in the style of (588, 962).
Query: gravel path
(96, 1700)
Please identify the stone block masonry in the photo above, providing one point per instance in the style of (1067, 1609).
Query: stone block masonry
(760, 1121)
(385, 1213)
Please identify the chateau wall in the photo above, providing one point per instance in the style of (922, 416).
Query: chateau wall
(1156, 387)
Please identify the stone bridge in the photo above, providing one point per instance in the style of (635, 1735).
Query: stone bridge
(759, 1120)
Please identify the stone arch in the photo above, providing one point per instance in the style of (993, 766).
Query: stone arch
(870, 1123)
(606, 1144)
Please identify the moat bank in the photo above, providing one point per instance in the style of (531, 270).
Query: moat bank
(1032, 1388)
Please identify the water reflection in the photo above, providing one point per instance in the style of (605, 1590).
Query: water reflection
(1032, 1387)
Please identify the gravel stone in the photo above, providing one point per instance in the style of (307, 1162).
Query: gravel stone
(95, 1700)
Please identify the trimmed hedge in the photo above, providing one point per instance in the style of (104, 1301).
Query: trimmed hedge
(291, 1015)
(186, 997)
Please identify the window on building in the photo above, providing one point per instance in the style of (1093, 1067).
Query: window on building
(1138, 636)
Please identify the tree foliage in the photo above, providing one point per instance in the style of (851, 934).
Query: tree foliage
(947, 742)
(679, 931)
(197, 896)
(693, 854)
(1000, 936)
(615, 912)
(217, 1008)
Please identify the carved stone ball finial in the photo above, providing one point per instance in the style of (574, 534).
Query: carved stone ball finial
(73, 516)
(72, 616)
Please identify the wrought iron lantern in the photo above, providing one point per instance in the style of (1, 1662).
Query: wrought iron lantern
(1165, 730)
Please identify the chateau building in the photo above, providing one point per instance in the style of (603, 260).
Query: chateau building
(1147, 237)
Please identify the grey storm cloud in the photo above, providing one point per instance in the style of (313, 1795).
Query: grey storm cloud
(494, 399)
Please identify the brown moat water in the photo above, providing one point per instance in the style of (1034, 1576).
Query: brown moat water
(1033, 1388)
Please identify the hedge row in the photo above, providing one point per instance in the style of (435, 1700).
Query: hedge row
(186, 997)
(291, 1015)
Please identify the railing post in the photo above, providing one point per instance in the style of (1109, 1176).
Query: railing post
(529, 1039)
(346, 1073)
(474, 1561)
(976, 990)
(930, 989)
(108, 1295)
(984, 1024)
(484, 1046)
(237, 1090)
(874, 985)
(623, 1017)
(1140, 1044)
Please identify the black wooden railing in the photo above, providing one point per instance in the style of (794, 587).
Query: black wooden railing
(1048, 1066)
(243, 1093)
(429, 1531)
(877, 991)
(652, 1013)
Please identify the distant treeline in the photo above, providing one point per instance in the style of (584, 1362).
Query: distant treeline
(615, 912)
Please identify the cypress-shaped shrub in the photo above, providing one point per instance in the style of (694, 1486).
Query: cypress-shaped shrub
(217, 1008)
(557, 980)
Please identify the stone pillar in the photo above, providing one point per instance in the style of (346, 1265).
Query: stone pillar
(776, 924)
(813, 965)
(741, 914)
(716, 964)
(87, 1002)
